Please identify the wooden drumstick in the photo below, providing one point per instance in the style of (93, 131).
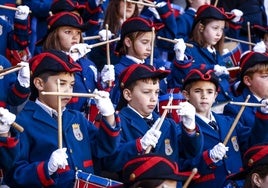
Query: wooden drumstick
(189, 179)
(98, 44)
(59, 117)
(17, 127)
(108, 51)
(248, 104)
(249, 36)
(92, 37)
(235, 122)
(11, 8)
(88, 95)
(241, 41)
(6, 71)
(216, 3)
(152, 47)
(142, 3)
(158, 126)
(174, 41)
(125, 10)
(233, 68)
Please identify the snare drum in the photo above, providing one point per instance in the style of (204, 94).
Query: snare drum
(85, 180)
(232, 58)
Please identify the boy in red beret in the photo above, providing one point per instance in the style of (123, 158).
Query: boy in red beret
(220, 157)
(253, 81)
(139, 86)
(41, 163)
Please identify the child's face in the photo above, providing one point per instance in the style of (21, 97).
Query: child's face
(141, 47)
(168, 183)
(68, 36)
(130, 9)
(257, 84)
(144, 96)
(213, 32)
(202, 95)
(66, 86)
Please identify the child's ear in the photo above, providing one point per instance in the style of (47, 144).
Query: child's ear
(38, 83)
(127, 42)
(186, 94)
(127, 94)
(256, 179)
(247, 81)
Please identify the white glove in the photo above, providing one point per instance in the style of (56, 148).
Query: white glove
(265, 108)
(218, 152)
(102, 34)
(187, 113)
(151, 136)
(99, 2)
(179, 49)
(220, 70)
(104, 103)
(260, 47)
(79, 50)
(6, 119)
(155, 13)
(24, 74)
(238, 14)
(22, 12)
(161, 4)
(58, 159)
(107, 73)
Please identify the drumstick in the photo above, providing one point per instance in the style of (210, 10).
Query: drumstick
(142, 3)
(108, 51)
(17, 127)
(6, 71)
(174, 41)
(147, 1)
(59, 117)
(125, 10)
(216, 3)
(241, 41)
(248, 104)
(152, 52)
(233, 68)
(88, 95)
(92, 37)
(189, 179)
(171, 107)
(249, 36)
(158, 126)
(11, 8)
(98, 44)
(235, 122)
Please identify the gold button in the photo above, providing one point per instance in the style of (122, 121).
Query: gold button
(132, 177)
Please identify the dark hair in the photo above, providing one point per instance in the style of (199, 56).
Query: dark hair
(261, 170)
(150, 183)
(197, 36)
(112, 16)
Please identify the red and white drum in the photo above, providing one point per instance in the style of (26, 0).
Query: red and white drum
(85, 180)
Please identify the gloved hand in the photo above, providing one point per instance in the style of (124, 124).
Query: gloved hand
(160, 4)
(154, 9)
(22, 12)
(238, 14)
(260, 47)
(24, 74)
(6, 119)
(187, 113)
(58, 159)
(220, 70)
(218, 152)
(102, 34)
(79, 50)
(107, 73)
(99, 2)
(264, 109)
(104, 103)
(179, 49)
(151, 136)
